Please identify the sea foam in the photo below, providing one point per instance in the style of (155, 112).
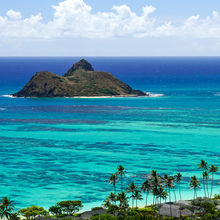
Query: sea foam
(8, 96)
(154, 94)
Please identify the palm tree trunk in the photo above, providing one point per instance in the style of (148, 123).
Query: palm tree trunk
(121, 184)
(132, 200)
(174, 194)
(147, 198)
(180, 192)
(160, 206)
(211, 186)
(166, 198)
(204, 186)
(207, 187)
(170, 203)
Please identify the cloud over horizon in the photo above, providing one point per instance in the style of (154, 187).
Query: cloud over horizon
(75, 19)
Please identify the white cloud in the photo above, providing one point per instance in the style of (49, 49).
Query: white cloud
(74, 18)
(13, 15)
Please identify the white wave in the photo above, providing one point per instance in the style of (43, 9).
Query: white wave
(8, 96)
(154, 94)
(2, 109)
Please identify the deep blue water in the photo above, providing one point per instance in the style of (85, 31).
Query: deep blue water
(52, 149)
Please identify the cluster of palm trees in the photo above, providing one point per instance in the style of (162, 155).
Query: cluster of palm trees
(161, 187)
(206, 172)
(117, 202)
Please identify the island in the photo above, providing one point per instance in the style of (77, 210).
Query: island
(81, 80)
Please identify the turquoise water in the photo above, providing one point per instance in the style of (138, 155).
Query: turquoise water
(63, 148)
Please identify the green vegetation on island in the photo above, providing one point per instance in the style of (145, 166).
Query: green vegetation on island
(116, 206)
(79, 80)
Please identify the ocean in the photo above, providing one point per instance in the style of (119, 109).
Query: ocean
(54, 149)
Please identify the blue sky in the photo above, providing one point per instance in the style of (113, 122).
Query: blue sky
(110, 28)
(166, 8)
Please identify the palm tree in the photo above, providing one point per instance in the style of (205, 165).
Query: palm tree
(170, 185)
(107, 203)
(165, 178)
(14, 216)
(137, 196)
(6, 208)
(113, 179)
(123, 205)
(7, 202)
(174, 180)
(203, 165)
(154, 173)
(194, 184)
(205, 176)
(146, 187)
(112, 197)
(121, 172)
(213, 169)
(155, 181)
(131, 189)
(178, 180)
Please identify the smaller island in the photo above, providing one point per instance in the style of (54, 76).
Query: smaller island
(81, 80)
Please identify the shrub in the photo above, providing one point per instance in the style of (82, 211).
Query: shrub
(199, 201)
(217, 197)
(208, 206)
(62, 215)
(97, 208)
(149, 210)
(103, 217)
(209, 216)
(142, 217)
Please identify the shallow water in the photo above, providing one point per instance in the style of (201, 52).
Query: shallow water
(58, 149)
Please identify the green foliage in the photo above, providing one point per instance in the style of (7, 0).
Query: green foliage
(112, 209)
(170, 218)
(199, 201)
(97, 208)
(209, 216)
(103, 217)
(32, 212)
(55, 210)
(209, 206)
(70, 206)
(142, 213)
(148, 210)
(62, 215)
(217, 197)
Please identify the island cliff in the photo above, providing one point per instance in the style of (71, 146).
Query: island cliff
(79, 80)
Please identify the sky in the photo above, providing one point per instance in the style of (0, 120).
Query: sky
(109, 28)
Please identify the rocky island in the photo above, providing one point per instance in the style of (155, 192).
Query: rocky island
(80, 80)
